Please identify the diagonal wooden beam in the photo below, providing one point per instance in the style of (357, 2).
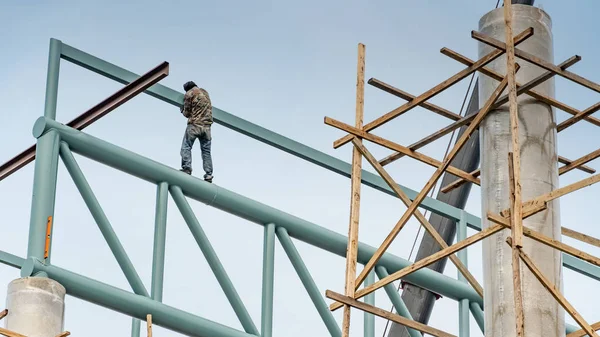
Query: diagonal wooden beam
(539, 237)
(581, 332)
(3, 313)
(477, 173)
(435, 90)
(580, 236)
(466, 120)
(406, 200)
(8, 333)
(408, 97)
(434, 178)
(582, 115)
(352, 248)
(556, 293)
(397, 147)
(543, 98)
(578, 162)
(501, 46)
(386, 314)
(64, 334)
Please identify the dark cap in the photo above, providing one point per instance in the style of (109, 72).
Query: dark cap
(189, 85)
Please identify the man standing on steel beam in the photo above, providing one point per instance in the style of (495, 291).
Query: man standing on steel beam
(197, 108)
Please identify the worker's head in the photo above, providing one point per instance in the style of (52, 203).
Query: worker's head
(189, 85)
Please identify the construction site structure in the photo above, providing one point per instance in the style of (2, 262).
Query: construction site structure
(519, 226)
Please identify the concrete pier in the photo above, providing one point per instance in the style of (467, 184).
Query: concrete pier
(539, 175)
(36, 307)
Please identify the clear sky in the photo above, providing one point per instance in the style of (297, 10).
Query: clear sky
(283, 65)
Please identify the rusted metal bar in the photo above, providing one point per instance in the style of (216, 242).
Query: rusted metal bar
(98, 111)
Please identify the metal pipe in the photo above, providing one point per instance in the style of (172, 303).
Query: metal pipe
(11, 260)
(52, 78)
(463, 305)
(369, 324)
(246, 208)
(102, 221)
(308, 282)
(160, 237)
(213, 260)
(478, 315)
(131, 304)
(135, 327)
(267, 281)
(397, 302)
(44, 194)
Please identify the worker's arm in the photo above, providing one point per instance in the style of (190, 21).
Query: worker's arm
(185, 109)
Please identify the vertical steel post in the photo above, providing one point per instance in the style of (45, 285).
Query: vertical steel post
(308, 282)
(46, 168)
(267, 279)
(213, 260)
(135, 327)
(463, 305)
(369, 325)
(396, 300)
(160, 236)
(102, 221)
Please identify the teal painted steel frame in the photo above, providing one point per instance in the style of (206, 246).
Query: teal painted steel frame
(463, 305)
(51, 133)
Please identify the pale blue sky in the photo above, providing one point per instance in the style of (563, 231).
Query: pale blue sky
(284, 66)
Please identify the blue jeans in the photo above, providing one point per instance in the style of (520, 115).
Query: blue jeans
(202, 133)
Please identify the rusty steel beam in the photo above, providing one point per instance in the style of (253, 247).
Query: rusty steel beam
(98, 111)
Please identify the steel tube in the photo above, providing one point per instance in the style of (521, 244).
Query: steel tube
(267, 281)
(52, 78)
(213, 260)
(131, 304)
(463, 305)
(102, 221)
(160, 237)
(478, 315)
(44, 194)
(369, 324)
(135, 327)
(308, 282)
(11, 260)
(246, 208)
(397, 301)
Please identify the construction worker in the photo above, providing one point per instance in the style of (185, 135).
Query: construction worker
(197, 109)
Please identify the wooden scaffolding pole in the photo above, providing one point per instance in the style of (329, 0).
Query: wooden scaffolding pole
(352, 250)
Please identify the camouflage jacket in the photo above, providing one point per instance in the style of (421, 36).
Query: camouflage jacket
(197, 107)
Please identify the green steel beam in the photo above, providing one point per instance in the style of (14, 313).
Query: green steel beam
(160, 237)
(369, 323)
(290, 146)
(135, 327)
(267, 281)
(213, 260)
(308, 282)
(11, 260)
(102, 221)
(246, 208)
(464, 317)
(396, 300)
(131, 304)
(52, 78)
(478, 315)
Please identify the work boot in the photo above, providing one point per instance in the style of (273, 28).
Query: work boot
(208, 178)
(188, 171)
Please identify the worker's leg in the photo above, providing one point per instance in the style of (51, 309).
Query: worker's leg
(205, 143)
(186, 149)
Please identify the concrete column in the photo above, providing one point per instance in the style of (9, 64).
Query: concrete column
(539, 175)
(36, 307)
